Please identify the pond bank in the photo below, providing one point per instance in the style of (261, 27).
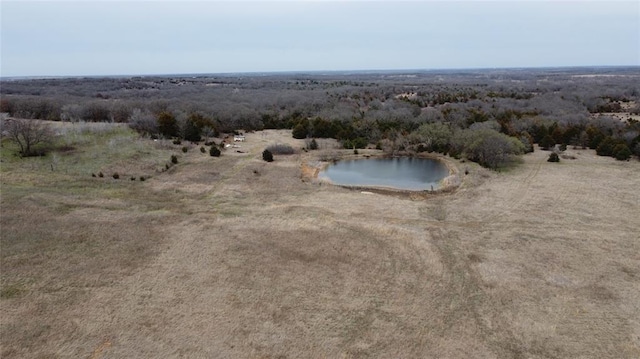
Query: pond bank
(310, 170)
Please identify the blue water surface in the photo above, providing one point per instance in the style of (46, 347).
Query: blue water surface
(399, 172)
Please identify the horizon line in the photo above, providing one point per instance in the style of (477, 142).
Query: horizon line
(317, 72)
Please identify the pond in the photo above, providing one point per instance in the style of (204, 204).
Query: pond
(415, 174)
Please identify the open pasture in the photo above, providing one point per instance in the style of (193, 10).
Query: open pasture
(234, 257)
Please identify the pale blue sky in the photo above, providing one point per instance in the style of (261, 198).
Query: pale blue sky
(55, 38)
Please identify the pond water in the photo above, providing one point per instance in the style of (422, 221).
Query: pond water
(407, 173)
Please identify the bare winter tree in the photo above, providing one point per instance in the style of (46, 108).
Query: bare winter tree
(28, 134)
(71, 113)
(143, 122)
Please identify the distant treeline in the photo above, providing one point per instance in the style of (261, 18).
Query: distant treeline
(486, 116)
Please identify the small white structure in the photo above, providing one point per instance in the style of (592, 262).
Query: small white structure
(238, 138)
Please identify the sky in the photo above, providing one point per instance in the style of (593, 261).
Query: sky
(94, 38)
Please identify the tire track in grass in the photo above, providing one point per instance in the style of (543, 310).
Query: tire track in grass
(467, 303)
(461, 299)
(523, 188)
(522, 193)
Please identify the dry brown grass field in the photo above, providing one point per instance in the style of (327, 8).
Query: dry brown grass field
(233, 257)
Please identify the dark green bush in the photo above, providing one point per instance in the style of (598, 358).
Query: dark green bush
(281, 149)
(202, 149)
(214, 151)
(299, 131)
(622, 152)
(553, 157)
(167, 124)
(191, 130)
(185, 149)
(116, 175)
(547, 142)
(174, 159)
(267, 156)
(607, 147)
(358, 142)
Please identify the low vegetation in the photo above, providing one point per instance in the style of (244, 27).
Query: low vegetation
(32, 137)
(313, 144)
(214, 151)
(415, 112)
(281, 149)
(267, 156)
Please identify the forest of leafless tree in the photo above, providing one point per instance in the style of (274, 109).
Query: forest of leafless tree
(487, 116)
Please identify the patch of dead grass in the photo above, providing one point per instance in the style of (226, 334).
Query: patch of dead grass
(236, 257)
